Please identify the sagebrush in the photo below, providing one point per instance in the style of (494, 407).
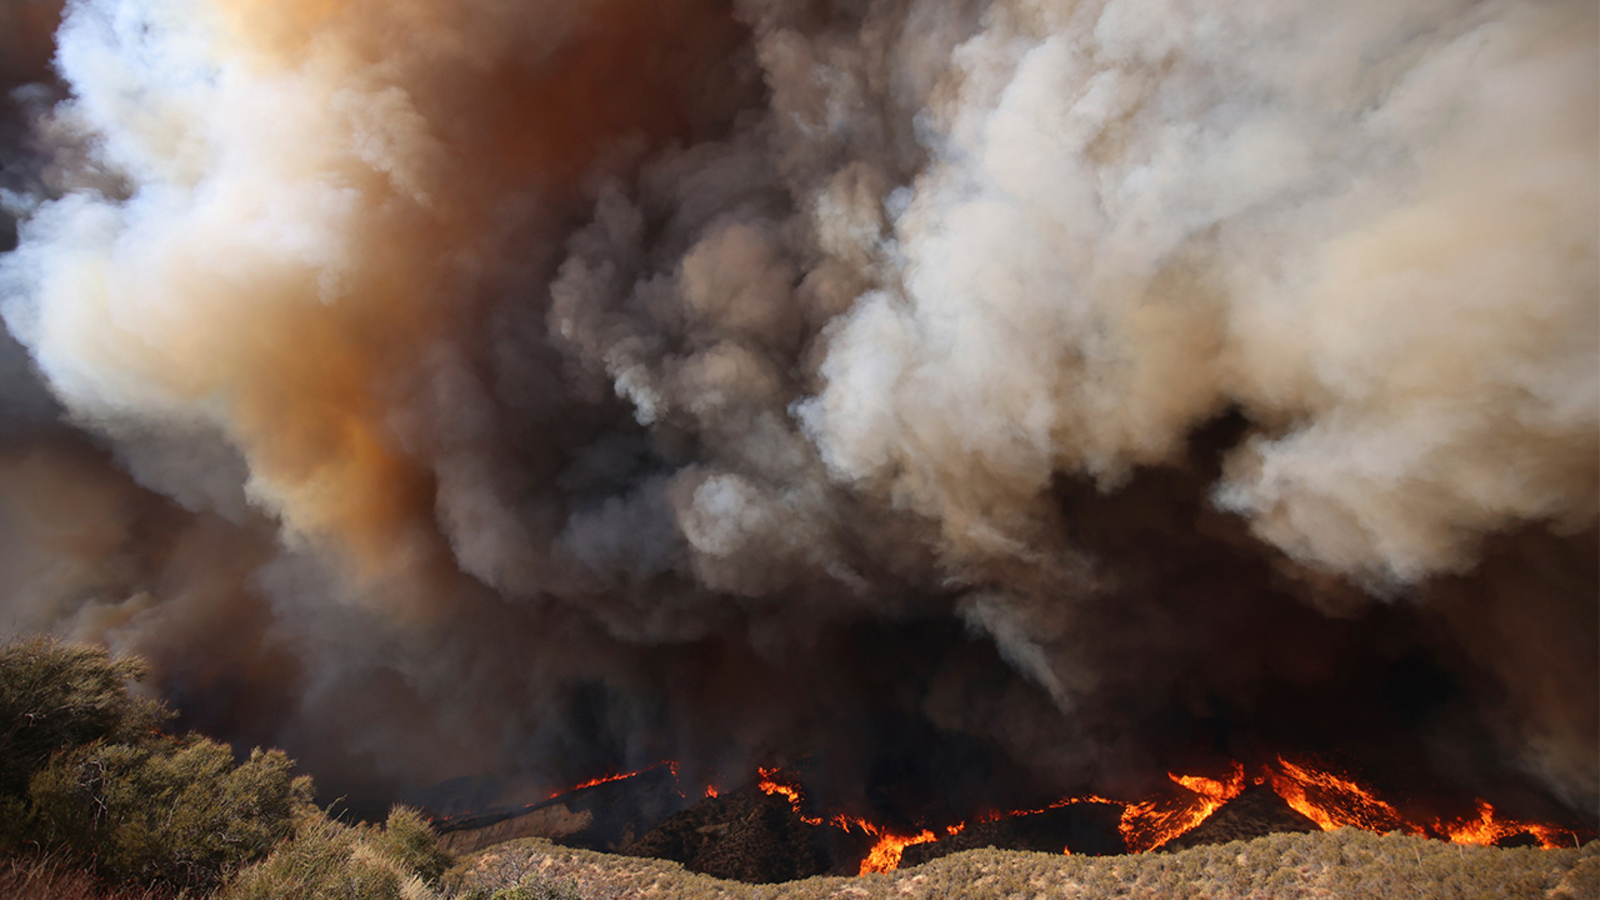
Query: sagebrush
(92, 785)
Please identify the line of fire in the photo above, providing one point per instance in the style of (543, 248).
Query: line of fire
(1321, 794)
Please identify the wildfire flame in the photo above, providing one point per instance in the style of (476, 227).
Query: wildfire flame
(884, 855)
(603, 779)
(620, 776)
(1487, 829)
(1327, 798)
(1151, 823)
(1333, 801)
(769, 786)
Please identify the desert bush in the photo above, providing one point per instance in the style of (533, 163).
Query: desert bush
(179, 814)
(321, 861)
(327, 860)
(56, 696)
(87, 775)
(408, 839)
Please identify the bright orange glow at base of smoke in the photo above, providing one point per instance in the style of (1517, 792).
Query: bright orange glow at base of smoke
(1326, 798)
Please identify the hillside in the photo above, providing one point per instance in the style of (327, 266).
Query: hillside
(1340, 864)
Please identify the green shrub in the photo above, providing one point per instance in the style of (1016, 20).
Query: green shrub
(408, 839)
(180, 814)
(320, 862)
(328, 860)
(56, 696)
(87, 775)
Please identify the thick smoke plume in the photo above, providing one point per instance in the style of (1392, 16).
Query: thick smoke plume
(989, 398)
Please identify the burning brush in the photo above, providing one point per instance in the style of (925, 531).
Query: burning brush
(1325, 797)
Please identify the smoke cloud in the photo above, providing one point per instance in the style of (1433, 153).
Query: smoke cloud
(996, 396)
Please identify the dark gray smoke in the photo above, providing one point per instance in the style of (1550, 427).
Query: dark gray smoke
(977, 399)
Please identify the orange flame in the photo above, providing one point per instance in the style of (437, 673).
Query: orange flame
(1329, 799)
(603, 779)
(1488, 829)
(885, 854)
(620, 776)
(1333, 801)
(770, 787)
(1151, 823)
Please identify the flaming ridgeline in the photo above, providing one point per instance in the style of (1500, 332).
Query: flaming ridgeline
(1324, 796)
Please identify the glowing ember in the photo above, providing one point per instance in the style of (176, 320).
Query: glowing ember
(711, 790)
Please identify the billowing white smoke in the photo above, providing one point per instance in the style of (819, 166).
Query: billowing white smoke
(1371, 227)
(854, 293)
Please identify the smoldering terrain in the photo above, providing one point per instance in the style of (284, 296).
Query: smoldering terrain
(968, 401)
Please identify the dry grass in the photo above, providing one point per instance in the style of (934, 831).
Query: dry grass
(1332, 866)
(56, 878)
